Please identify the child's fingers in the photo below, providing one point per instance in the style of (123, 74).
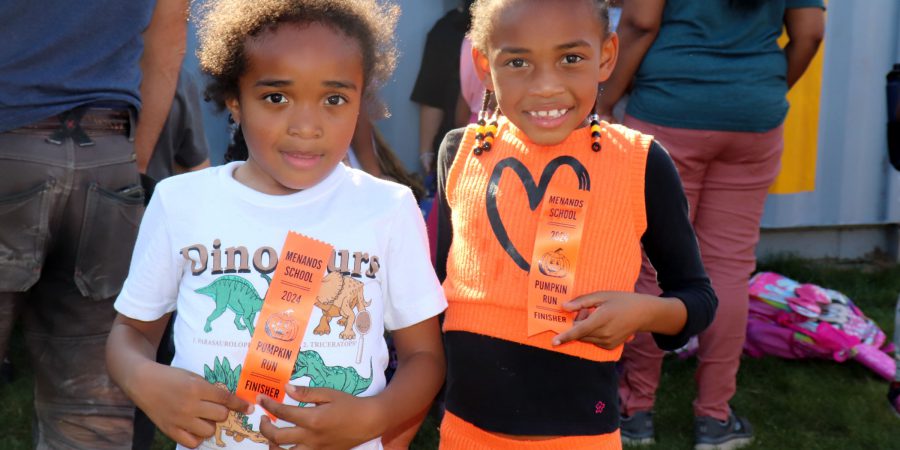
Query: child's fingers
(591, 300)
(278, 436)
(278, 409)
(578, 331)
(305, 394)
(582, 314)
(602, 343)
(185, 438)
(213, 394)
(582, 328)
(201, 428)
(211, 411)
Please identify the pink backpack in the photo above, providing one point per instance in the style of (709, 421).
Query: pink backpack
(795, 321)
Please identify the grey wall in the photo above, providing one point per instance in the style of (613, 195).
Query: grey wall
(854, 182)
(402, 128)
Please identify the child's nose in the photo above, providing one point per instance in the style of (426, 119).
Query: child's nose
(305, 123)
(546, 83)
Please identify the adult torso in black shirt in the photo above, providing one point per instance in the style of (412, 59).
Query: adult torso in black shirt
(437, 84)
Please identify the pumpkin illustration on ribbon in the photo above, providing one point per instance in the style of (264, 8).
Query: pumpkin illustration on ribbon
(282, 326)
(554, 264)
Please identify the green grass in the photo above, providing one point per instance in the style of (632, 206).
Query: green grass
(816, 405)
(15, 409)
(801, 404)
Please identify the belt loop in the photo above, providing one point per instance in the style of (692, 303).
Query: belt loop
(132, 123)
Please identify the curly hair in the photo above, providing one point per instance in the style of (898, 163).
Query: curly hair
(483, 17)
(226, 25)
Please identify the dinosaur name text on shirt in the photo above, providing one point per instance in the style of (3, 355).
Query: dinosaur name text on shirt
(237, 259)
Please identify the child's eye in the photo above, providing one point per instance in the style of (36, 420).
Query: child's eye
(517, 63)
(335, 100)
(275, 98)
(572, 59)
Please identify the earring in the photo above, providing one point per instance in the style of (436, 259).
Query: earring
(482, 117)
(595, 129)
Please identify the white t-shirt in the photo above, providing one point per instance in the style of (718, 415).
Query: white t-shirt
(205, 240)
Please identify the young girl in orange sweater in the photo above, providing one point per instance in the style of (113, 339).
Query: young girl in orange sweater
(544, 213)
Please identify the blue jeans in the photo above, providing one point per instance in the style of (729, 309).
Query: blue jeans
(68, 221)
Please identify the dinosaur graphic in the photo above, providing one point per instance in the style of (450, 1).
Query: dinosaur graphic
(235, 425)
(234, 293)
(345, 379)
(338, 296)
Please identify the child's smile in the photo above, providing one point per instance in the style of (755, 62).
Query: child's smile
(544, 61)
(549, 118)
(298, 104)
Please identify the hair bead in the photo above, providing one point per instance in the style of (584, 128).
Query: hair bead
(595, 131)
(481, 133)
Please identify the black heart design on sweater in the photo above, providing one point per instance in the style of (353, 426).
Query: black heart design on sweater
(535, 195)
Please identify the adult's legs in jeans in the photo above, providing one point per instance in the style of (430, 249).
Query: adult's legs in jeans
(10, 305)
(641, 360)
(726, 176)
(727, 222)
(76, 404)
(23, 209)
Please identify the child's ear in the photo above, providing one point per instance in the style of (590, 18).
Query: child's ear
(483, 68)
(609, 54)
(234, 107)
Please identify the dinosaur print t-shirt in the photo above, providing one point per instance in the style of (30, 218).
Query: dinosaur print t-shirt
(208, 247)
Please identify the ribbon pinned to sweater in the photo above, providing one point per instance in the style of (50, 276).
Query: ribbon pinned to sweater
(551, 280)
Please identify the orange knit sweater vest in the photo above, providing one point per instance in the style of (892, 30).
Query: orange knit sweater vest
(485, 286)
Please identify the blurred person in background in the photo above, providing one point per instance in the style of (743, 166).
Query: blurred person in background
(84, 91)
(709, 82)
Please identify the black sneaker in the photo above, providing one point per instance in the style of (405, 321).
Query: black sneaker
(893, 397)
(637, 429)
(713, 434)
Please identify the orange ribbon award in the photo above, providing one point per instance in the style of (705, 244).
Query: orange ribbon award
(283, 319)
(552, 276)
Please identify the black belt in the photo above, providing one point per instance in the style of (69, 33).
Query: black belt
(77, 123)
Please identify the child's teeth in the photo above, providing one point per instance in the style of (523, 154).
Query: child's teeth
(553, 113)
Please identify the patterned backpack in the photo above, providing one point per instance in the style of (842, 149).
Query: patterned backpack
(796, 321)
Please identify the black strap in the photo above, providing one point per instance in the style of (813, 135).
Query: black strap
(70, 127)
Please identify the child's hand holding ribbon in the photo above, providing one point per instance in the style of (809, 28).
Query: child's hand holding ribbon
(338, 421)
(183, 405)
(618, 315)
